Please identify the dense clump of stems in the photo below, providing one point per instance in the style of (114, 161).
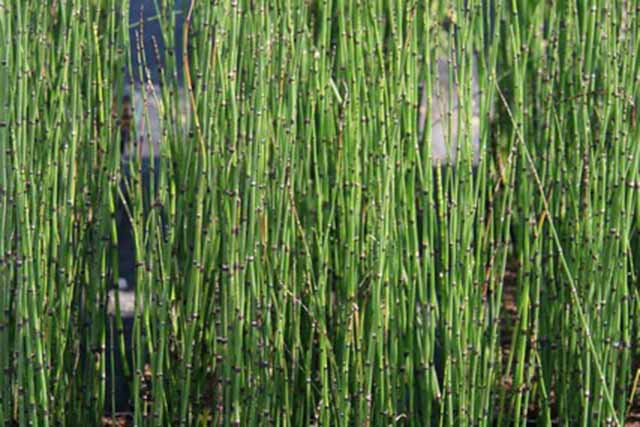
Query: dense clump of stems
(301, 257)
(57, 190)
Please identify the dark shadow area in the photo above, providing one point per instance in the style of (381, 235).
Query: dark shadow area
(148, 55)
(145, 32)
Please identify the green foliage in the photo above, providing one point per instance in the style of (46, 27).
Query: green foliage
(302, 261)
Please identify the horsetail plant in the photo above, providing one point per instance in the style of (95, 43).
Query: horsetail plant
(388, 212)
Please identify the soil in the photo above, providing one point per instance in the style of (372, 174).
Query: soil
(121, 420)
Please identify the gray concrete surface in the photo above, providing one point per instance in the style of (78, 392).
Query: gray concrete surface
(446, 120)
